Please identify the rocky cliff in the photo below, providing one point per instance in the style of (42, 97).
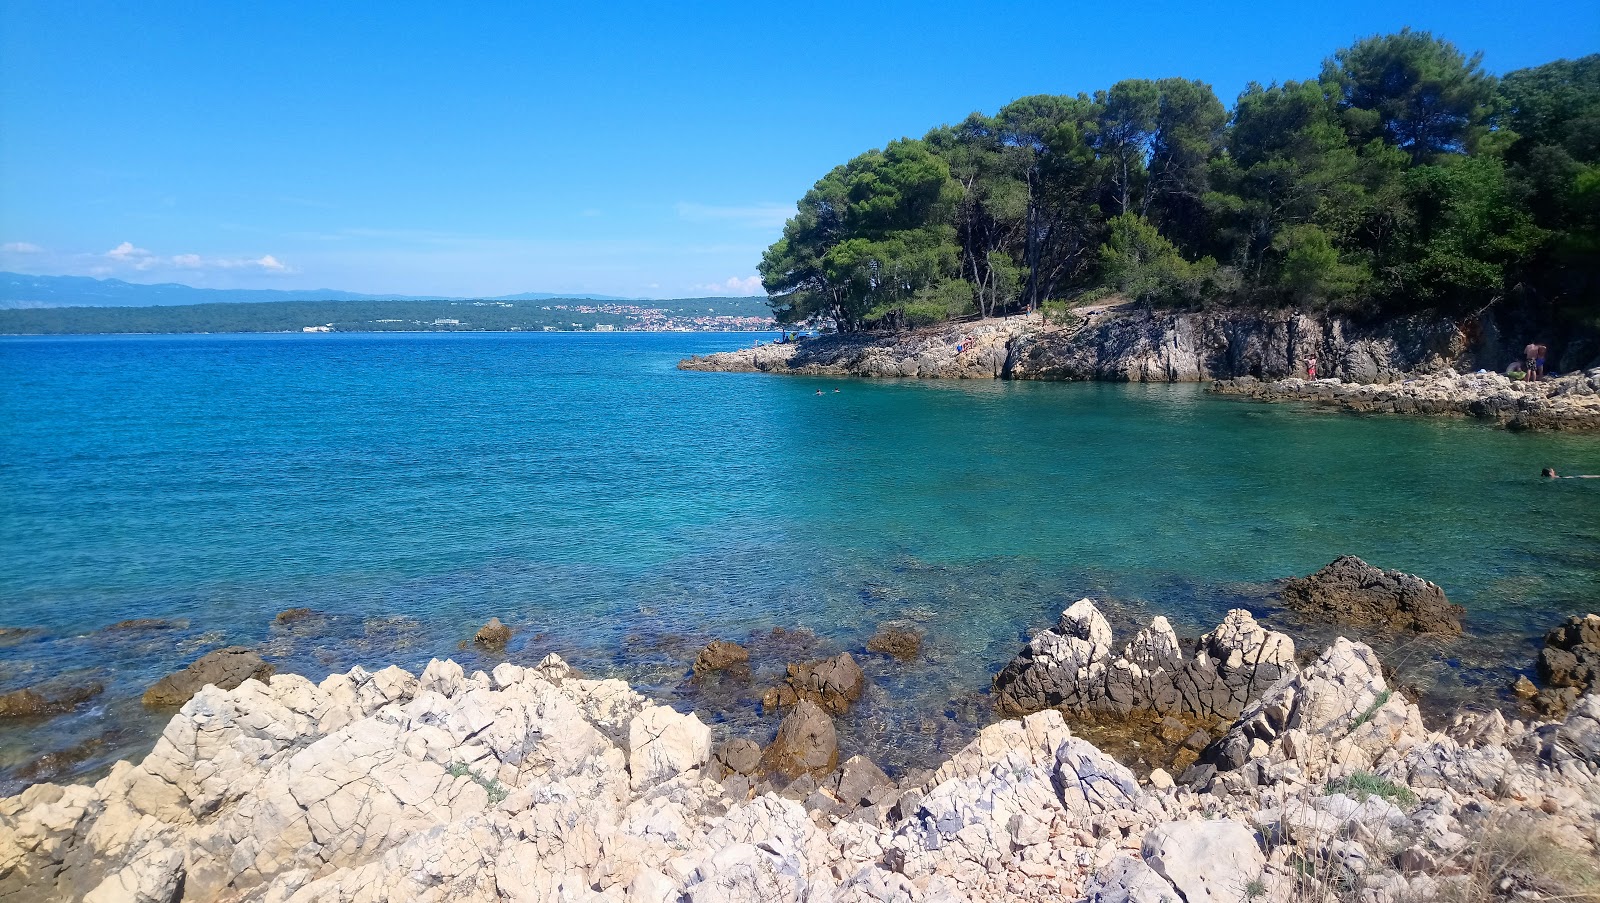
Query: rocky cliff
(535, 784)
(1123, 343)
(1251, 352)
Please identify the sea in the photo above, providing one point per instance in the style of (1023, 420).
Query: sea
(621, 513)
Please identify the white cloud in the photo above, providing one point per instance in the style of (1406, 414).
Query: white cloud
(142, 260)
(750, 285)
(756, 216)
(21, 247)
(127, 252)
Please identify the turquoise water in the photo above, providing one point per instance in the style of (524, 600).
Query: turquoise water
(622, 512)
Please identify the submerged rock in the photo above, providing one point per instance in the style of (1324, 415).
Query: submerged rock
(1350, 591)
(47, 699)
(224, 669)
(291, 615)
(721, 655)
(1073, 667)
(135, 625)
(492, 636)
(896, 641)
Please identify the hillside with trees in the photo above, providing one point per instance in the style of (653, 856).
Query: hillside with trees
(1402, 178)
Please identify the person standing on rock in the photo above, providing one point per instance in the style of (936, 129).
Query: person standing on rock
(1530, 354)
(1311, 367)
(1539, 362)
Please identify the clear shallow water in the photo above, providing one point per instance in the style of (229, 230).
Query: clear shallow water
(622, 512)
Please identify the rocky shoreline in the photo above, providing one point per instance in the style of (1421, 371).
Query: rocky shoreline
(1290, 778)
(1570, 402)
(1407, 365)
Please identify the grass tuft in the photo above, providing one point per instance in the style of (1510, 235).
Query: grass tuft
(1363, 785)
(497, 791)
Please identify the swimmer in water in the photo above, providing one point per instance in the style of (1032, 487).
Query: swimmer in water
(1549, 473)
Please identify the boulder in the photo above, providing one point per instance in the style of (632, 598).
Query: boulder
(222, 668)
(1572, 747)
(806, 743)
(895, 641)
(1207, 861)
(290, 615)
(1350, 591)
(721, 655)
(46, 699)
(662, 744)
(859, 782)
(1571, 654)
(492, 636)
(739, 756)
(1128, 880)
(832, 683)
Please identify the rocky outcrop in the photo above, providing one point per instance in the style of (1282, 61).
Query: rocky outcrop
(1337, 709)
(722, 655)
(957, 351)
(832, 683)
(47, 699)
(222, 668)
(1349, 591)
(1074, 667)
(1570, 402)
(536, 784)
(1406, 365)
(1568, 665)
(492, 636)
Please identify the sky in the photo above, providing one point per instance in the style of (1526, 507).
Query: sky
(642, 150)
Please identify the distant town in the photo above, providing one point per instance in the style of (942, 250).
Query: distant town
(567, 315)
(660, 319)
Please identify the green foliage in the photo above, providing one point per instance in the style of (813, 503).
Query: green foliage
(1412, 90)
(1059, 313)
(495, 790)
(1312, 272)
(1362, 785)
(1143, 265)
(1403, 178)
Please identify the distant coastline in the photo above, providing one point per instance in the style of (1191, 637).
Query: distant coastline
(539, 315)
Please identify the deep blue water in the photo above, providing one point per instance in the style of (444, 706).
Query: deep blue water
(622, 512)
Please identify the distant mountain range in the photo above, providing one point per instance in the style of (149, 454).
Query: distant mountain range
(20, 291)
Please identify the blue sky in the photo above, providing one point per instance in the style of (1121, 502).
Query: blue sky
(640, 150)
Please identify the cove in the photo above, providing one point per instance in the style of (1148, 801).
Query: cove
(621, 512)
